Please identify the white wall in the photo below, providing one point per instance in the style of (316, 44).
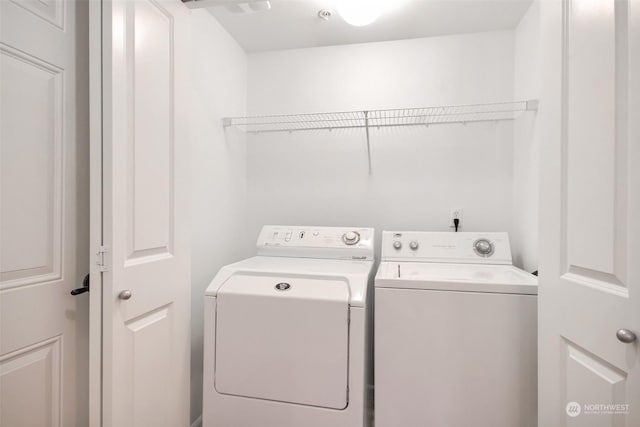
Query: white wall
(218, 169)
(242, 182)
(418, 174)
(526, 142)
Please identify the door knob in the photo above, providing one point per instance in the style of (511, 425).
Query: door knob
(626, 336)
(126, 294)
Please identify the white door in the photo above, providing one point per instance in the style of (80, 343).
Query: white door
(44, 238)
(144, 207)
(590, 210)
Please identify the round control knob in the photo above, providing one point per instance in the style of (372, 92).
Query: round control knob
(483, 247)
(397, 244)
(413, 245)
(351, 237)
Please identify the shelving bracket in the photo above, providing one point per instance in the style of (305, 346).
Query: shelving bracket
(366, 126)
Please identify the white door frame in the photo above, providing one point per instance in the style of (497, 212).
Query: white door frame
(95, 231)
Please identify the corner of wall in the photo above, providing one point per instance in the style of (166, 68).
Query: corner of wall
(526, 145)
(218, 168)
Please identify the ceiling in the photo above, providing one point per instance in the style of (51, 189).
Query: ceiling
(295, 23)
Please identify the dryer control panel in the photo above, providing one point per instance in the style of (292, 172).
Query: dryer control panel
(447, 247)
(353, 243)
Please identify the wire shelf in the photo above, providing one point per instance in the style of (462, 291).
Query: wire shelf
(368, 119)
(382, 118)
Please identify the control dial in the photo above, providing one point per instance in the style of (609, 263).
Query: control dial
(397, 244)
(351, 237)
(413, 245)
(483, 247)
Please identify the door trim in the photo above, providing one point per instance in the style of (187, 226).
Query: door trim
(95, 201)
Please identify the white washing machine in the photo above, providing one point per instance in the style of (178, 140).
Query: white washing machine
(286, 332)
(455, 333)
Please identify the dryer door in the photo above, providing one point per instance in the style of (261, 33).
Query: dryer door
(283, 338)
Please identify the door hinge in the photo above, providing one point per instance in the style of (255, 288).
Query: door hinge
(101, 258)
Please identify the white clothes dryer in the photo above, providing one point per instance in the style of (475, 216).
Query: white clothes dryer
(287, 331)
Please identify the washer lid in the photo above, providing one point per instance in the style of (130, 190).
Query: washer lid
(283, 338)
(456, 277)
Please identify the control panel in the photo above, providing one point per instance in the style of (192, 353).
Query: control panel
(316, 242)
(467, 247)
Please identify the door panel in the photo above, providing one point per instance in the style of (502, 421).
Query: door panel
(590, 193)
(43, 199)
(147, 334)
(596, 47)
(51, 11)
(146, 339)
(33, 231)
(32, 374)
(304, 340)
(591, 379)
(151, 167)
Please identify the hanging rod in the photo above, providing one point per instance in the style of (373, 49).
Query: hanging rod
(366, 119)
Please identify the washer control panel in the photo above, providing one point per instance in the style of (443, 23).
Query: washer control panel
(316, 242)
(463, 247)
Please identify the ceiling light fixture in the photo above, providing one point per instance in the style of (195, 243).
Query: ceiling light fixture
(359, 12)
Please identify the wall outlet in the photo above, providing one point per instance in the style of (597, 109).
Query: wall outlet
(456, 213)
